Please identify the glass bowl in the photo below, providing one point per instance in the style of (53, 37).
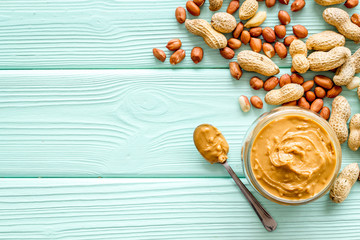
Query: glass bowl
(257, 126)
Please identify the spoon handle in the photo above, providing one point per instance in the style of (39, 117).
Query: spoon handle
(265, 218)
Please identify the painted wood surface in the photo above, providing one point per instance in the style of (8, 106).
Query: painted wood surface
(122, 123)
(74, 209)
(114, 33)
(133, 125)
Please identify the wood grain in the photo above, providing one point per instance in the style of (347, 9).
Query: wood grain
(79, 34)
(122, 123)
(160, 209)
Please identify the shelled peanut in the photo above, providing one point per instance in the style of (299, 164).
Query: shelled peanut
(233, 6)
(297, 5)
(197, 54)
(192, 8)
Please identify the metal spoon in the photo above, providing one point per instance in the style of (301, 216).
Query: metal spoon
(213, 147)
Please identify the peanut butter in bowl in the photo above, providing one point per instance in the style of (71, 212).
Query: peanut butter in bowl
(291, 156)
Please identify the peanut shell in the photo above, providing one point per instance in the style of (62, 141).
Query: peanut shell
(201, 27)
(256, 62)
(325, 61)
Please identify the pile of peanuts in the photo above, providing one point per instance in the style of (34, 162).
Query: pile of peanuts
(246, 36)
(314, 92)
(271, 41)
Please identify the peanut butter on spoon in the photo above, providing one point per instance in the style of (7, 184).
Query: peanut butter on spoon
(213, 146)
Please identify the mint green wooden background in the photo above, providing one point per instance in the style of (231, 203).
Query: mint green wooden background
(82, 97)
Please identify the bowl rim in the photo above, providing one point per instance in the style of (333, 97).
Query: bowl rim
(258, 125)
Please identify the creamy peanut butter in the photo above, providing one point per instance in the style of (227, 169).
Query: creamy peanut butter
(211, 143)
(293, 157)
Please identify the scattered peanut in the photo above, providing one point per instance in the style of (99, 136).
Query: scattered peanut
(233, 6)
(285, 2)
(215, 4)
(256, 62)
(197, 54)
(270, 3)
(300, 31)
(159, 54)
(343, 183)
(280, 31)
(256, 83)
(238, 30)
(271, 83)
(334, 92)
(308, 85)
(269, 35)
(256, 102)
(227, 53)
(328, 2)
(325, 41)
(298, 53)
(325, 61)
(248, 9)
(354, 137)
(297, 5)
(192, 8)
(320, 92)
(235, 70)
(323, 81)
(268, 50)
(180, 15)
(174, 44)
(234, 43)
(355, 18)
(296, 78)
(345, 74)
(289, 39)
(244, 103)
(255, 44)
(287, 93)
(245, 37)
(280, 49)
(256, 20)
(317, 105)
(340, 115)
(325, 113)
(303, 103)
(341, 20)
(223, 22)
(284, 17)
(177, 57)
(255, 32)
(310, 96)
(351, 3)
(284, 79)
(199, 2)
(202, 28)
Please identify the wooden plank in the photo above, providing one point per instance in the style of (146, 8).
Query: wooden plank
(114, 34)
(160, 209)
(122, 123)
